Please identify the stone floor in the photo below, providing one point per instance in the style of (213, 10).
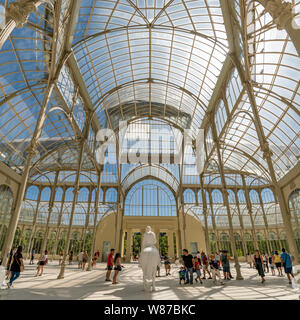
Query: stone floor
(79, 284)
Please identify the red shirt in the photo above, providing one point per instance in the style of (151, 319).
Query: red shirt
(197, 265)
(109, 258)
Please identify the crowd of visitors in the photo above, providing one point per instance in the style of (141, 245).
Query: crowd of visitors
(264, 262)
(210, 265)
(201, 264)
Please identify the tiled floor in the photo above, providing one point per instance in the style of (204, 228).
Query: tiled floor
(79, 284)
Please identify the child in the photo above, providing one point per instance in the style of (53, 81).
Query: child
(197, 265)
(181, 274)
(214, 267)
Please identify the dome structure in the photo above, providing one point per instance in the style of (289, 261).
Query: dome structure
(120, 109)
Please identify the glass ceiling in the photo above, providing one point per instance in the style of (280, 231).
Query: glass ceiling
(161, 60)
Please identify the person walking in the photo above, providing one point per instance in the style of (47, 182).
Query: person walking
(11, 253)
(225, 265)
(110, 263)
(60, 258)
(278, 263)
(70, 257)
(117, 267)
(188, 263)
(205, 265)
(42, 262)
(249, 259)
(16, 267)
(265, 261)
(33, 251)
(271, 263)
(197, 268)
(258, 260)
(287, 265)
(167, 264)
(214, 267)
(85, 258)
(79, 257)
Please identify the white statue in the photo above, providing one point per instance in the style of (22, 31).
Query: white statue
(149, 258)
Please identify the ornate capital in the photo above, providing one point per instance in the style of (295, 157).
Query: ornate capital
(266, 151)
(20, 11)
(281, 12)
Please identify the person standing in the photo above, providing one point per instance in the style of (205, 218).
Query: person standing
(33, 251)
(80, 256)
(70, 257)
(84, 259)
(249, 259)
(265, 261)
(278, 263)
(287, 264)
(214, 267)
(16, 267)
(197, 266)
(258, 260)
(181, 274)
(117, 267)
(42, 262)
(217, 258)
(60, 258)
(167, 264)
(110, 263)
(271, 263)
(11, 253)
(205, 265)
(225, 265)
(188, 263)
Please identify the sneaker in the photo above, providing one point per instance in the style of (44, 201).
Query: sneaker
(107, 280)
(204, 278)
(191, 282)
(186, 283)
(290, 282)
(210, 278)
(196, 280)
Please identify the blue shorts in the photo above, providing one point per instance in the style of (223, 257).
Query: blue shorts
(226, 268)
(198, 273)
(288, 270)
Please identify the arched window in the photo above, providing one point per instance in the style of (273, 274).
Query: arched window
(83, 195)
(69, 195)
(32, 193)
(231, 196)
(267, 195)
(199, 196)
(217, 196)
(45, 196)
(58, 194)
(111, 195)
(253, 195)
(241, 196)
(189, 196)
(150, 198)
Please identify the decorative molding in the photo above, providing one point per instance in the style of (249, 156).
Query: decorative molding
(281, 12)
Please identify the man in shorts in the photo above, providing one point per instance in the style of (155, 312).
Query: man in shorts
(110, 263)
(287, 264)
(205, 265)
